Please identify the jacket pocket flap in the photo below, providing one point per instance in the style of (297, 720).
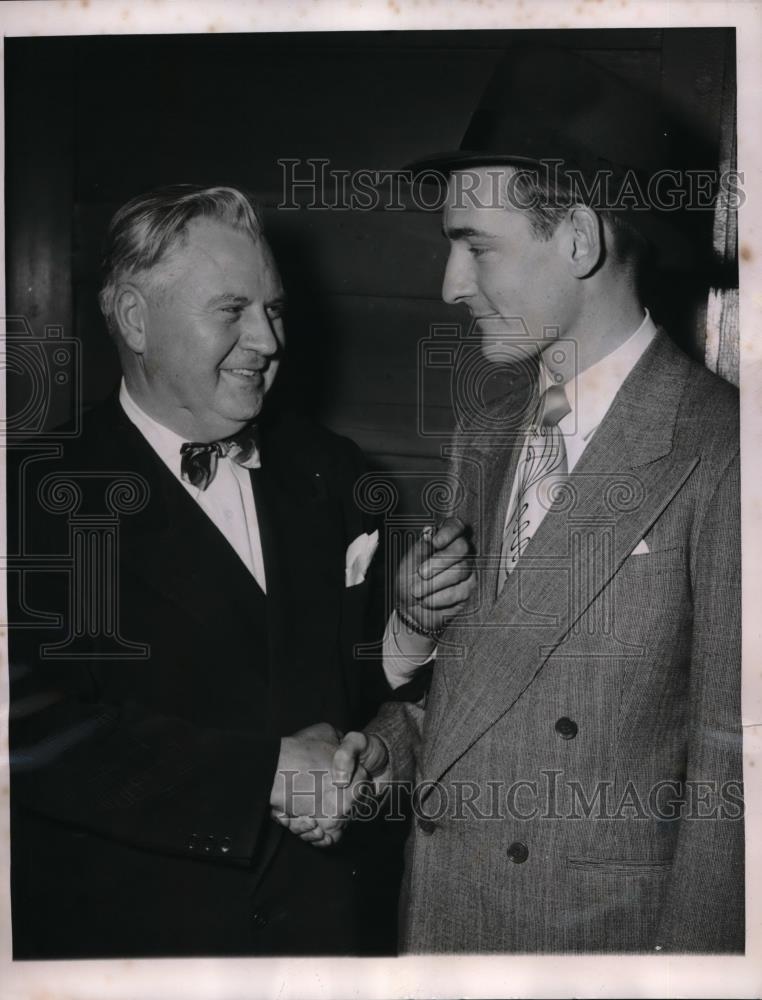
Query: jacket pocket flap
(620, 866)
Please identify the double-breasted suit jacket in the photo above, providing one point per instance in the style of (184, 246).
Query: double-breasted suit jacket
(579, 756)
(141, 773)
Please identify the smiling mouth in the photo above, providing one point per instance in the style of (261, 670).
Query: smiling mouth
(249, 373)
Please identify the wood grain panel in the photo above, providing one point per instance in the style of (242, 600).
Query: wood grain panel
(38, 210)
(381, 254)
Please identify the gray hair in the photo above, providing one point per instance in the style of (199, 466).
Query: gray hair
(148, 227)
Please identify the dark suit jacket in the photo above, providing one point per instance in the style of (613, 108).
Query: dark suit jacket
(143, 754)
(599, 694)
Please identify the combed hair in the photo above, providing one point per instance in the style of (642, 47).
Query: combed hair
(149, 226)
(551, 201)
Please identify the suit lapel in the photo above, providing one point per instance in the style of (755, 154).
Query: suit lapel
(624, 480)
(485, 467)
(172, 545)
(303, 545)
(302, 539)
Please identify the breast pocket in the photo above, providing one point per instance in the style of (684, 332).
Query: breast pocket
(656, 562)
(652, 596)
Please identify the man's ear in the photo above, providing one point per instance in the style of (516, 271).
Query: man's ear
(586, 241)
(131, 313)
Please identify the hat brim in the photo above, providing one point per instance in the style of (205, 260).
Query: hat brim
(445, 163)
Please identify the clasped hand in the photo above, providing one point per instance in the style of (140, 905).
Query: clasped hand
(436, 577)
(319, 778)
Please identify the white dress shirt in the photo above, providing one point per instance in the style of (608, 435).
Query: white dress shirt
(590, 395)
(228, 501)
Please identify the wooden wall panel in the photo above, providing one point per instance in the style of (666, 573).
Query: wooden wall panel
(39, 184)
(374, 253)
(226, 112)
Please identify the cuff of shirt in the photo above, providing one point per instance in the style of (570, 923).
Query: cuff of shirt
(404, 652)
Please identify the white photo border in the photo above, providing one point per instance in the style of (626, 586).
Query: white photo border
(450, 976)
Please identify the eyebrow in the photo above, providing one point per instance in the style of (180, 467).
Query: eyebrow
(231, 299)
(465, 232)
(228, 298)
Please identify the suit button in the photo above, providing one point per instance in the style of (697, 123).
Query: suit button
(566, 728)
(518, 853)
(193, 842)
(427, 826)
(259, 919)
(225, 845)
(209, 844)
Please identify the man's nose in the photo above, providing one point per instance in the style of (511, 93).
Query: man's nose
(457, 285)
(258, 334)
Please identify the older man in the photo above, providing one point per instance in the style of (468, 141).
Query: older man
(150, 744)
(578, 761)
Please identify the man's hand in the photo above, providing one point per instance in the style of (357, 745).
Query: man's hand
(304, 797)
(436, 576)
(359, 752)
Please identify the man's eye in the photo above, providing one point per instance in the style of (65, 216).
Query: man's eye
(276, 310)
(234, 311)
(477, 251)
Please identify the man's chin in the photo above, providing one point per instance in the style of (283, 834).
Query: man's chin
(228, 422)
(507, 351)
(243, 407)
(242, 417)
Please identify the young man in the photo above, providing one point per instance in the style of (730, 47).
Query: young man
(578, 761)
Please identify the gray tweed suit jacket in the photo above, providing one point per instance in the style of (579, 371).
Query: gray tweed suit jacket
(578, 759)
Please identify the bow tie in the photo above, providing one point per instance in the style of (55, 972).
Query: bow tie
(200, 458)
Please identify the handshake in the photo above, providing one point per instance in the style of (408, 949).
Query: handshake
(319, 778)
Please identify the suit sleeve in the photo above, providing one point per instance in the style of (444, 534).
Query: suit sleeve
(399, 724)
(88, 751)
(704, 906)
(124, 772)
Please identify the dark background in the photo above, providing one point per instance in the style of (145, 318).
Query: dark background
(91, 121)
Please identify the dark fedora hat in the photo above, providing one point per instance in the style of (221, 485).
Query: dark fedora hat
(554, 106)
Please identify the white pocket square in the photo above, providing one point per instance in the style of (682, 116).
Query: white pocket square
(641, 549)
(359, 555)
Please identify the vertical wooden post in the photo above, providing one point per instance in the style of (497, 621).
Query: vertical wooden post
(39, 195)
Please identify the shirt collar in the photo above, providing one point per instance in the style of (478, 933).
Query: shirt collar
(164, 441)
(591, 393)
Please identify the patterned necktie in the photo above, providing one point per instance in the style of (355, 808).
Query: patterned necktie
(541, 468)
(199, 459)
